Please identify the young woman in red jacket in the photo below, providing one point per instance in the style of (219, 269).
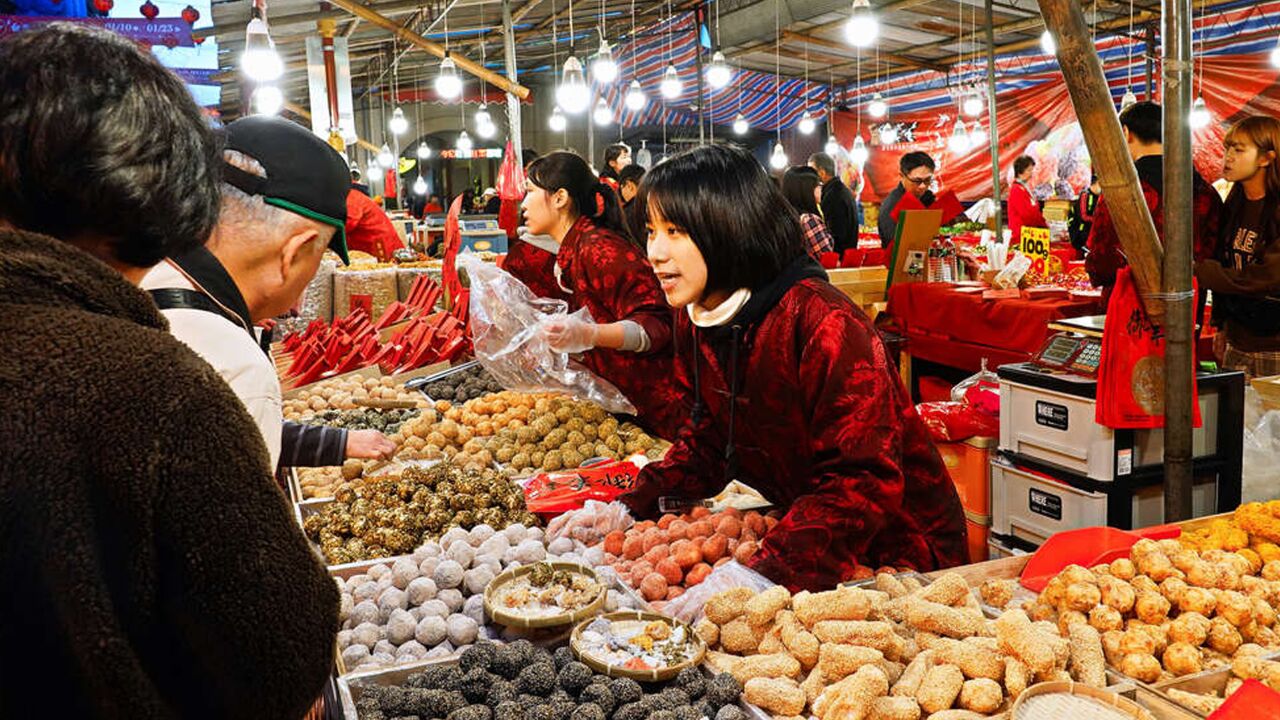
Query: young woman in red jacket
(793, 392)
(1024, 211)
(599, 267)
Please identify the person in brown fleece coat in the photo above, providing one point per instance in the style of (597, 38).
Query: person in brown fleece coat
(152, 568)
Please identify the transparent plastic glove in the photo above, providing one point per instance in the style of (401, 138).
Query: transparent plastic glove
(568, 334)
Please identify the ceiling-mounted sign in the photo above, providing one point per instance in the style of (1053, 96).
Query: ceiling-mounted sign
(476, 154)
(319, 89)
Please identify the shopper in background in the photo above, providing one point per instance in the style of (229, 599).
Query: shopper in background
(433, 206)
(368, 228)
(155, 569)
(793, 391)
(492, 203)
(917, 170)
(283, 202)
(1143, 129)
(837, 203)
(1024, 211)
(1245, 275)
(600, 268)
(1081, 217)
(801, 186)
(356, 184)
(632, 211)
(616, 157)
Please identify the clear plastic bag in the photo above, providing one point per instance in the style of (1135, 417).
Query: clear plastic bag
(1260, 481)
(981, 389)
(506, 320)
(688, 607)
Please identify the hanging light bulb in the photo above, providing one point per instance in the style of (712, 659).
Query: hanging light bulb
(635, 98)
(260, 60)
(419, 186)
(978, 136)
(557, 122)
(482, 115)
(972, 105)
(424, 151)
(806, 123)
(643, 157)
(888, 134)
(859, 153)
(877, 108)
(958, 143)
(464, 142)
(1128, 100)
(740, 124)
(1200, 116)
(373, 171)
(718, 72)
(486, 130)
(863, 28)
(448, 84)
(267, 100)
(385, 158)
(832, 147)
(1275, 54)
(573, 94)
(602, 114)
(670, 87)
(1047, 43)
(603, 67)
(398, 124)
(779, 160)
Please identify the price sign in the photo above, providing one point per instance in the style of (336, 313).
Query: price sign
(1034, 243)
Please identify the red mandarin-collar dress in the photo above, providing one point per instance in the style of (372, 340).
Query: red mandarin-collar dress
(823, 427)
(609, 276)
(534, 267)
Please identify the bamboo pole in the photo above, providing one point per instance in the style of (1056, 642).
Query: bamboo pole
(994, 131)
(372, 17)
(1101, 127)
(1177, 200)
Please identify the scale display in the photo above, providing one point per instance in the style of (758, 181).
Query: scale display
(1072, 353)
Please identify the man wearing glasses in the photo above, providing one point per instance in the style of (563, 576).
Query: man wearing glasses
(917, 177)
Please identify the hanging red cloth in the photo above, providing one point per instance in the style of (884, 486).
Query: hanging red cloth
(452, 241)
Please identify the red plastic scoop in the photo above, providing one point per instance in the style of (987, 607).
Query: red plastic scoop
(1086, 547)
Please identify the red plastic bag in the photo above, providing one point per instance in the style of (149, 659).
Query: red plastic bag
(953, 421)
(452, 241)
(510, 187)
(551, 494)
(1252, 700)
(1131, 376)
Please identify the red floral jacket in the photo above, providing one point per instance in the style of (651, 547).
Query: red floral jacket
(611, 278)
(823, 427)
(534, 267)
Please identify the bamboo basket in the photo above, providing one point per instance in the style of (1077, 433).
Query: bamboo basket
(1110, 704)
(517, 620)
(652, 675)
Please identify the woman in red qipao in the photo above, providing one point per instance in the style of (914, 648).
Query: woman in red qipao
(793, 392)
(599, 267)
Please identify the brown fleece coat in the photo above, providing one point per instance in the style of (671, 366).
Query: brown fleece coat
(151, 567)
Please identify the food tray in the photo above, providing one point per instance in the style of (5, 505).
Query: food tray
(1208, 682)
(654, 675)
(509, 619)
(1119, 703)
(350, 685)
(421, 382)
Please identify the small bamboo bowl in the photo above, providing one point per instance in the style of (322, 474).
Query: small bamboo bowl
(506, 617)
(1109, 700)
(653, 675)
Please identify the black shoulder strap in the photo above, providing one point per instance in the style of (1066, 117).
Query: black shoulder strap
(183, 299)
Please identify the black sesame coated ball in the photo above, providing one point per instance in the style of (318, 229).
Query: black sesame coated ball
(475, 685)
(471, 712)
(625, 690)
(588, 712)
(479, 655)
(507, 662)
(500, 692)
(539, 711)
(440, 678)
(706, 710)
(723, 689)
(508, 710)
(673, 698)
(731, 712)
(692, 681)
(574, 677)
(631, 711)
(662, 715)
(563, 710)
(537, 679)
(688, 712)
(599, 695)
(436, 703)
(563, 656)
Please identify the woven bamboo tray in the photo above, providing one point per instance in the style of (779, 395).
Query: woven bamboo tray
(652, 675)
(511, 619)
(1107, 700)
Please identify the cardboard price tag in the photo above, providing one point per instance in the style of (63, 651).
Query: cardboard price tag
(1034, 243)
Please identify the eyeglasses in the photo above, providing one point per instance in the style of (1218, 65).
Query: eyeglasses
(918, 181)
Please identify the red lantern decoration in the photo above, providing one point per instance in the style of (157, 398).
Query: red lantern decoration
(103, 6)
(199, 40)
(190, 14)
(149, 10)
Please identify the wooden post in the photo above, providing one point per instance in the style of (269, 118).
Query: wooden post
(371, 16)
(1177, 193)
(1101, 127)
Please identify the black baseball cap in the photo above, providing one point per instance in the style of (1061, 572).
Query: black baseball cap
(304, 174)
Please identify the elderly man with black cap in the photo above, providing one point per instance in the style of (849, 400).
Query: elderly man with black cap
(283, 203)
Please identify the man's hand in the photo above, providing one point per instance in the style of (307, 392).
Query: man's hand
(369, 445)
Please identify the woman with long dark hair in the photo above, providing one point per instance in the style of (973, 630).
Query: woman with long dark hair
(599, 267)
(801, 186)
(1245, 272)
(793, 391)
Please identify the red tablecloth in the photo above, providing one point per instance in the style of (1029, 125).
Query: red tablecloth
(960, 329)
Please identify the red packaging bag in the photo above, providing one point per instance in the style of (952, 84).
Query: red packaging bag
(550, 494)
(1131, 376)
